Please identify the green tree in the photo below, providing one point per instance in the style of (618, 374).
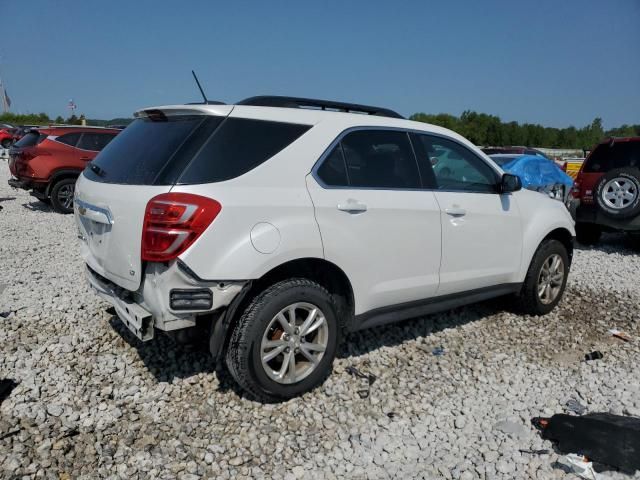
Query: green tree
(59, 120)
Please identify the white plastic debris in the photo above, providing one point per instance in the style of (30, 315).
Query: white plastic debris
(582, 466)
(619, 334)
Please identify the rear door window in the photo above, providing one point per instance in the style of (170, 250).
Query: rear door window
(607, 156)
(333, 171)
(237, 146)
(69, 139)
(94, 141)
(380, 159)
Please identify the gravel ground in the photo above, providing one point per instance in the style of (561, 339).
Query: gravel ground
(93, 402)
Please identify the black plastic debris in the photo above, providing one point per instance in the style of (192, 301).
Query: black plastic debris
(605, 438)
(593, 356)
(369, 377)
(438, 351)
(6, 386)
(542, 451)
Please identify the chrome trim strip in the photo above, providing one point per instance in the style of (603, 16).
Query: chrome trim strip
(97, 214)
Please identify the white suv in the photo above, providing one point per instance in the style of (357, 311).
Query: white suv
(278, 228)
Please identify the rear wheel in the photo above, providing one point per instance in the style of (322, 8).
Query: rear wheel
(588, 233)
(285, 342)
(546, 279)
(62, 195)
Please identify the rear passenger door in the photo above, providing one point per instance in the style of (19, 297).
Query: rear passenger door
(378, 220)
(481, 229)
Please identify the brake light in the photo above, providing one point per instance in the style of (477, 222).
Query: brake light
(173, 221)
(575, 190)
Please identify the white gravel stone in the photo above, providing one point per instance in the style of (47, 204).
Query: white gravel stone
(93, 402)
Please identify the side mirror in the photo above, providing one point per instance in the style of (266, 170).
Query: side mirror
(510, 183)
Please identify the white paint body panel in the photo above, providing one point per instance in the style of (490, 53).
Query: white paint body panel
(483, 247)
(114, 250)
(391, 251)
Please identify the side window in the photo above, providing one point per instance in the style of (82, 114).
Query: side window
(456, 168)
(333, 171)
(69, 139)
(238, 146)
(380, 159)
(94, 141)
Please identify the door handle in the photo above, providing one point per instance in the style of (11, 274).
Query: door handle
(85, 158)
(455, 212)
(352, 206)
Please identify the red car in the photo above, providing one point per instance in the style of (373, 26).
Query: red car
(607, 191)
(47, 161)
(6, 135)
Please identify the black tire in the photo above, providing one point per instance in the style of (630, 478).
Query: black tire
(59, 194)
(243, 355)
(6, 143)
(530, 300)
(631, 178)
(588, 233)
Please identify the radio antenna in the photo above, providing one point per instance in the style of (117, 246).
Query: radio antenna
(200, 87)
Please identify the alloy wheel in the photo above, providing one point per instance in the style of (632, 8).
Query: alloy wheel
(65, 195)
(294, 342)
(619, 192)
(550, 279)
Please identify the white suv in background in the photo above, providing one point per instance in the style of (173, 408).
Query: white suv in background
(278, 224)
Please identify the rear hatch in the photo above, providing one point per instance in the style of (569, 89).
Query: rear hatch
(24, 150)
(143, 161)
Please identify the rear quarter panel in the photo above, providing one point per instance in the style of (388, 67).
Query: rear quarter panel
(272, 201)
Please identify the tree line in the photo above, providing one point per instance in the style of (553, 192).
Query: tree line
(489, 130)
(480, 128)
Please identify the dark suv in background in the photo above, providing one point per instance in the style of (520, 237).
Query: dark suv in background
(47, 161)
(607, 191)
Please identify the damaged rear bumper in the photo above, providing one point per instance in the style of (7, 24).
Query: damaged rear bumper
(149, 307)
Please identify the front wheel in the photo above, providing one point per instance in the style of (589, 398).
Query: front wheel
(285, 341)
(6, 143)
(546, 279)
(62, 195)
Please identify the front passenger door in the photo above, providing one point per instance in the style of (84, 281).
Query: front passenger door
(481, 229)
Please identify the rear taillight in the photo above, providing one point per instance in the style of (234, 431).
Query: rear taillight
(173, 221)
(575, 190)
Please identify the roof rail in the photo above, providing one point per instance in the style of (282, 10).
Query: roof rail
(296, 102)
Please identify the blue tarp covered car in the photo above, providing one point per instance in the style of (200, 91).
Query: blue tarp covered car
(537, 173)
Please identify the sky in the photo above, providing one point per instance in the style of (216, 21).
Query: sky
(552, 62)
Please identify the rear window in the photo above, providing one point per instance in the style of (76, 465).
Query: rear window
(189, 149)
(606, 157)
(31, 139)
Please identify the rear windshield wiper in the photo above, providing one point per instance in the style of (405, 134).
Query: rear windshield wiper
(97, 170)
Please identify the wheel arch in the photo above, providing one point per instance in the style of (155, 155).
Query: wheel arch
(322, 271)
(60, 175)
(565, 237)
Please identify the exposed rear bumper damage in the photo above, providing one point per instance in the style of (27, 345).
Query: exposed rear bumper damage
(150, 307)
